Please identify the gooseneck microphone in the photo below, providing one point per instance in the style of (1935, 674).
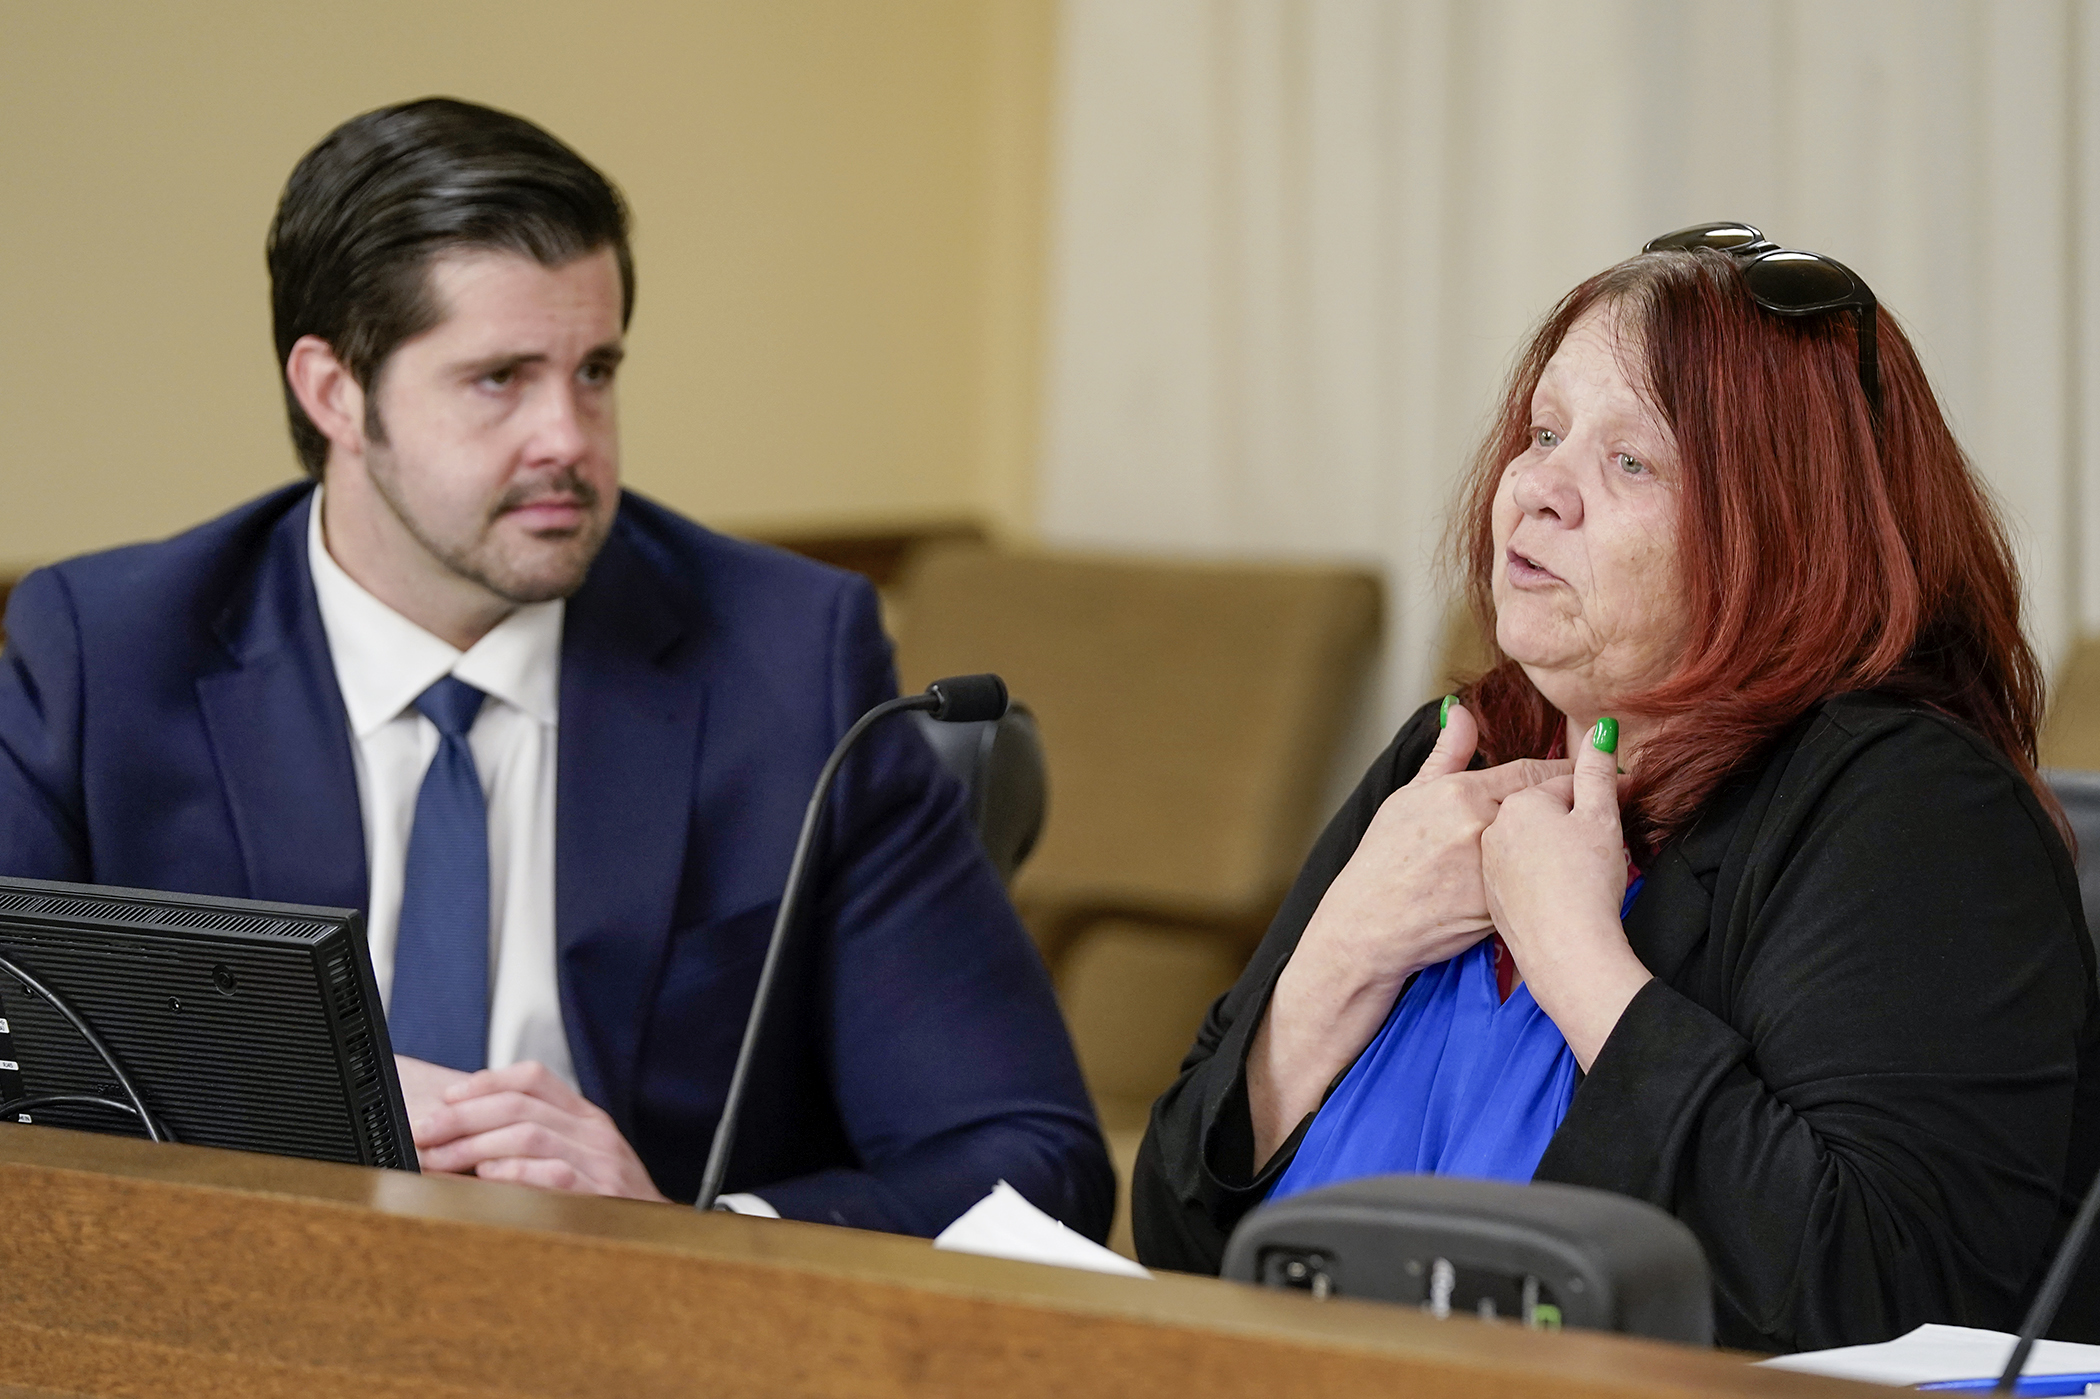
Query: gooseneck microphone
(2055, 1283)
(960, 699)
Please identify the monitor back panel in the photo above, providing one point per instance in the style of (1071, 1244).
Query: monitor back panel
(245, 1025)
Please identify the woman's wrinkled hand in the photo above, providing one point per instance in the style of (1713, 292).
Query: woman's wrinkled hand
(1411, 896)
(1553, 866)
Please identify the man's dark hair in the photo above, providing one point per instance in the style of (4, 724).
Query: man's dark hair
(365, 212)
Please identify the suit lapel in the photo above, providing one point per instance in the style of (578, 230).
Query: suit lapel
(1674, 915)
(1670, 917)
(281, 737)
(632, 704)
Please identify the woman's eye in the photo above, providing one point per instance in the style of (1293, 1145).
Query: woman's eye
(1630, 464)
(499, 378)
(1545, 438)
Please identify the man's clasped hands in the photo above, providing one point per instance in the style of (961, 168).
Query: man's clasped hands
(519, 1123)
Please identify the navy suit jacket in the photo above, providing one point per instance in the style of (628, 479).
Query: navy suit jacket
(169, 719)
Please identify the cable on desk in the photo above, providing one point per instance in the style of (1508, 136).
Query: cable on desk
(47, 1100)
(137, 1105)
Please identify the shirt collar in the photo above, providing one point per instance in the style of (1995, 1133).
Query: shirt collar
(383, 660)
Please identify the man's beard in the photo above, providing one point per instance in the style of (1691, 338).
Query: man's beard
(555, 569)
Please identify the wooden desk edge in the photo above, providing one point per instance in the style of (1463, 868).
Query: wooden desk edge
(1504, 1355)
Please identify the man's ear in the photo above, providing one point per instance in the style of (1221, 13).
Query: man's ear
(329, 393)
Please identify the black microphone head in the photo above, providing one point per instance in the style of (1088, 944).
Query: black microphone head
(968, 699)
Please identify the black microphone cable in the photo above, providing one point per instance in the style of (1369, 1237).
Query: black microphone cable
(155, 1131)
(960, 699)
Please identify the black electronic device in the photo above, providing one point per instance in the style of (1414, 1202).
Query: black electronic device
(1000, 765)
(207, 1021)
(1542, 1255)
(959, 699)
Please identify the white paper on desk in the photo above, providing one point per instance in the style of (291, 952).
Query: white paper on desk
(1940, 1353)
(1004, 1225)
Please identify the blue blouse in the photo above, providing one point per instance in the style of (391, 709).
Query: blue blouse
(1458, 1082)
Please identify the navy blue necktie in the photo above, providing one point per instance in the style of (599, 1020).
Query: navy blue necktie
(440, 1002)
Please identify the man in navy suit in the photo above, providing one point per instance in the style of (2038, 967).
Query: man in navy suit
(555, 739)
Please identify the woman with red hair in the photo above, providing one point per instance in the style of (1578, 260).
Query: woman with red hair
(1731, 886)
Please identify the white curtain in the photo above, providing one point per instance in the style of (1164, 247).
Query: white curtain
(1296, 243)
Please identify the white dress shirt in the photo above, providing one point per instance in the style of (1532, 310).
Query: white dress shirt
(382, 662)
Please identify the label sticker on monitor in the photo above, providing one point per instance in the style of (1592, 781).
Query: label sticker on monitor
(10, 1071)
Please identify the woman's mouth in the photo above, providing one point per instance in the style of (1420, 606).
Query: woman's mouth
(1526, 570)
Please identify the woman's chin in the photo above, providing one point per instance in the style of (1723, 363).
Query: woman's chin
(1564, 681)
(1538, 649)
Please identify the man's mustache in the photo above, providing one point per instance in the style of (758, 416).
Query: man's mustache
(567, 489)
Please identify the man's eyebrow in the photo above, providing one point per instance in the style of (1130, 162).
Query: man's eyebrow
(609, 353)
(475, 368)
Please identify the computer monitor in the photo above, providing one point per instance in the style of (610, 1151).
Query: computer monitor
(230, 1023)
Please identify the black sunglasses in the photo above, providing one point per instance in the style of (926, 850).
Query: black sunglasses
(1787, 282)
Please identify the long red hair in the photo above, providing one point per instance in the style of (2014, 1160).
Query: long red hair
(1816, 556)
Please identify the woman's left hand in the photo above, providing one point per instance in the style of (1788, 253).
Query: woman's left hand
(1554, 866)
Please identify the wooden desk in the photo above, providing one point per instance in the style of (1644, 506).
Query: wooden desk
(131, 1269)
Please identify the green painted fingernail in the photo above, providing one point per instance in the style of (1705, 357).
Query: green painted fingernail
(1605, 737)
(1443, 712)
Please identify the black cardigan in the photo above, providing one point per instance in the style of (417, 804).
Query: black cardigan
(1867, 1065)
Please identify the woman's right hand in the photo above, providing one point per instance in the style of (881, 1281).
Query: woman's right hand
(1410, 897)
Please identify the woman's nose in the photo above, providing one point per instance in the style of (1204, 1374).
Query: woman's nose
(1545, 489)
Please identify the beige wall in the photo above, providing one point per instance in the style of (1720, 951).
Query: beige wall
(838, 203)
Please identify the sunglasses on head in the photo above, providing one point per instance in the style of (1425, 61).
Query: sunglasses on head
(1788, 282)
